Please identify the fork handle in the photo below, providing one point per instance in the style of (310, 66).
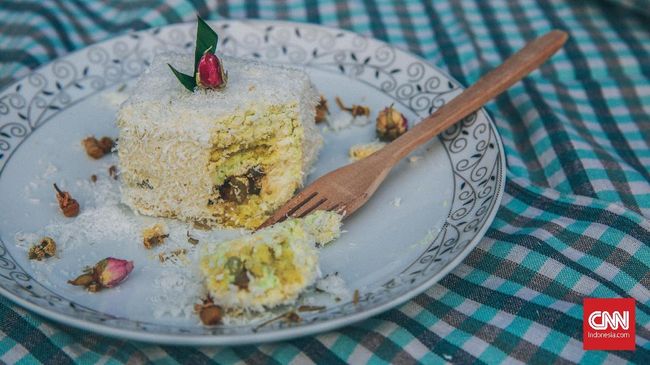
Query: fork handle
(486, 88)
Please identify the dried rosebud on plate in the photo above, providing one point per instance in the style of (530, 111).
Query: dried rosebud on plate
(355, 110)
(97, 148)
(106, 144)
(391, 124)
(69, 206)
(209, 313)
(107, 273)
(44, 249)
(112, 271)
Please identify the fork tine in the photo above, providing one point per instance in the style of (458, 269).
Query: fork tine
(289, 208)
(310, 209)
(301, 204)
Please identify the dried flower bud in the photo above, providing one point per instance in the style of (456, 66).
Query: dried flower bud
(97, 148)
(210, 73)
(355, 110)
(391, 124)
(106, 144)
(209, 313)
(69, 206)
(107, 273)
(154, 236)
(112, 271)
(322, 110)
(83, 280)
(44, 249)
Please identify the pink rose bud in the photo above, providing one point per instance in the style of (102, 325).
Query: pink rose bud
(113, 271)
(210, 73)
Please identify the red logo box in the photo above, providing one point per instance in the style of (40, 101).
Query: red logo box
(608, 324)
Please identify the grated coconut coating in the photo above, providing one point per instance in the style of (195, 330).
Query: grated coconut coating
(168, 135)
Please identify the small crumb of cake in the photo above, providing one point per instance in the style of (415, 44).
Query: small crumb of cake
(178, 254)
(363, 150)
(270, 267)
(154, 235)
(323, 226)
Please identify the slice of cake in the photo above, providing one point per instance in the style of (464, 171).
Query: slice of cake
(228, 157)
(270, 267)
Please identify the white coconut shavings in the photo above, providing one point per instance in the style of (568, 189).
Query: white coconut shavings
(339, 121)
(397, 202)
(335, 285)
(180, 288)
(177, 283)
(101, 218)
(44, 180)
(116, 98)
(25, 240)
(361, 121)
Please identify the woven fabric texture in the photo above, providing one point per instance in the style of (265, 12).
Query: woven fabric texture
(573, 222)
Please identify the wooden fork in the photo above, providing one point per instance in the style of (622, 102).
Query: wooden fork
(347, 188)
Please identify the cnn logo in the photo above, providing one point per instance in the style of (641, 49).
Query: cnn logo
(608, 324)
(602, 320)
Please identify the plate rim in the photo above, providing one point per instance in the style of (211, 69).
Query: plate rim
(279, 334)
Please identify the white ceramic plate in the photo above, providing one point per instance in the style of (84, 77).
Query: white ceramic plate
(425, 218)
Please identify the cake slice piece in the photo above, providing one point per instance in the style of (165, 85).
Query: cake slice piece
(222, 157)
(270, 267)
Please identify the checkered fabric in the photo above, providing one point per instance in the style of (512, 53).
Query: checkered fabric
(573, 223)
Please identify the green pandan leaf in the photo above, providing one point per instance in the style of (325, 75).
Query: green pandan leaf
(188, 81)
(206, 40)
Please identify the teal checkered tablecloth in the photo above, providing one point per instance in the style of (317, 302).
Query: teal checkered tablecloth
(573, 223)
